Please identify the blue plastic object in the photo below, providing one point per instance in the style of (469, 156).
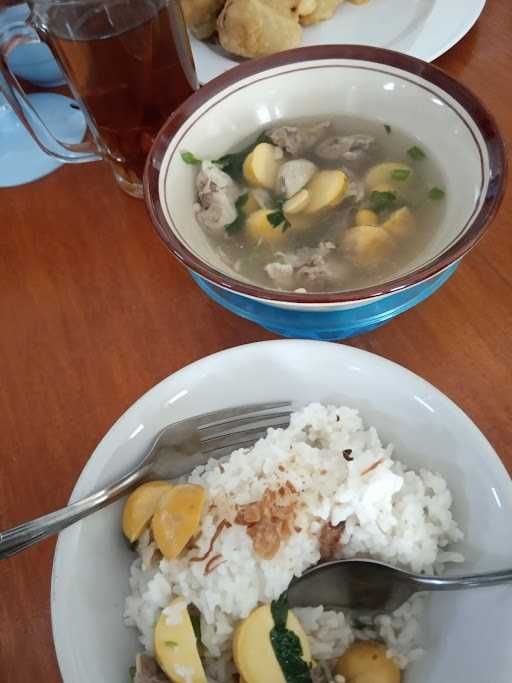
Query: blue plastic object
(324, 325)
(35, 63)
(31, 61)
(21, 160)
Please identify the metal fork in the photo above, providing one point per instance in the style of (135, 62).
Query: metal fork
(175, 451)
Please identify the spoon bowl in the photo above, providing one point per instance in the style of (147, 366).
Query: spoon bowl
(371, 587)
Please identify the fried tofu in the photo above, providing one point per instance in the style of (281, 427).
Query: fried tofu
(201, 16)
(324, 10)
(255, 28)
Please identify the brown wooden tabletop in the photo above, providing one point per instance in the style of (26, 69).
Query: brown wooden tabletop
(94, 311)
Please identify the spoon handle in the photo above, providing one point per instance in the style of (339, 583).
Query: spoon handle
(452, 583)
(23, 536)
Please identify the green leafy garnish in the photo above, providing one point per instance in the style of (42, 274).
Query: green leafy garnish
(132, 671)
(170, 643)
(382, 201)
(387, 128)
(279, 609)
(359, 624)
(189, 158)
(286, 645)
(233, 164)
(239, 222)
(277, 218)
(416, 153)
(400, 174)
(196, 624)
(436, 193)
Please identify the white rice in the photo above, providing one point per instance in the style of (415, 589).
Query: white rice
(390, 513)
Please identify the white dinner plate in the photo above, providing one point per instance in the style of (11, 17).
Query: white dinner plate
(421, 28)
(466, 635)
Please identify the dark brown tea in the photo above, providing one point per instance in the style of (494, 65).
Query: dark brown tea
(130, 65)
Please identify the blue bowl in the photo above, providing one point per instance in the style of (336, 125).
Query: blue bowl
(319, 81)
(324, 325)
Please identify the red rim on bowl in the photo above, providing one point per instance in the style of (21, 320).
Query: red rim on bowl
(469, 102)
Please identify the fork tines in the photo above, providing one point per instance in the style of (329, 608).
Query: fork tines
(243, 425)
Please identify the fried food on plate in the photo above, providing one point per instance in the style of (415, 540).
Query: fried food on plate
(324, 9)
(254, 28)
(201, 16)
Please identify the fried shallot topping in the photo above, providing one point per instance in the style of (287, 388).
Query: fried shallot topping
(222, 525)
(372, 467)
(268, 520)
(213, 563)
(330, 540)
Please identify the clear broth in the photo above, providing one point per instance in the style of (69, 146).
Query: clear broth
(249, 259)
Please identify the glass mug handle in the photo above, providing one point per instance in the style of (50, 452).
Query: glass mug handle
(12, 35)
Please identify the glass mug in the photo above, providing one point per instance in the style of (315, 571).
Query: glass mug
(127, 62)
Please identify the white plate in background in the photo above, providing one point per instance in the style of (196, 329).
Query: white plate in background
(421, 28)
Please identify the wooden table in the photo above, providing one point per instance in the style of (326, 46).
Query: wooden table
(94, 311)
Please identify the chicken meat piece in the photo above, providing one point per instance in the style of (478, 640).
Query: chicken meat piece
(355, 189)
(217, 193)
(324, 10)
(330, 540)
(255, 28)
(311, 267)
(347, 148)
(298, 139)
(148, 671)
(201, 16)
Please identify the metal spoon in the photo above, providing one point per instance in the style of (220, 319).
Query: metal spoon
(372, 587)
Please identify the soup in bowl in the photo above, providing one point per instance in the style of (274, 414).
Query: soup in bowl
(325, 179)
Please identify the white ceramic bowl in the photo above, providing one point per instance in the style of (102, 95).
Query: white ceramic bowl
(448, 121)
(467, 635)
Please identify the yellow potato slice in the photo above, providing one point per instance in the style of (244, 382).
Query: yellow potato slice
(247, 170)
(297, 203)
(367, 246)
(366, 217)
(177, 518)
(365, 661)
(382, 174)
(176, 646)
(258, 227)
(299, 222)
(326, 190)
(140, 506)
(253, 652)
(401, 223)
(251, 204)
(261, 166)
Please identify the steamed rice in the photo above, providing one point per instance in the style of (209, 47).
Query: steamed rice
(390, 513)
